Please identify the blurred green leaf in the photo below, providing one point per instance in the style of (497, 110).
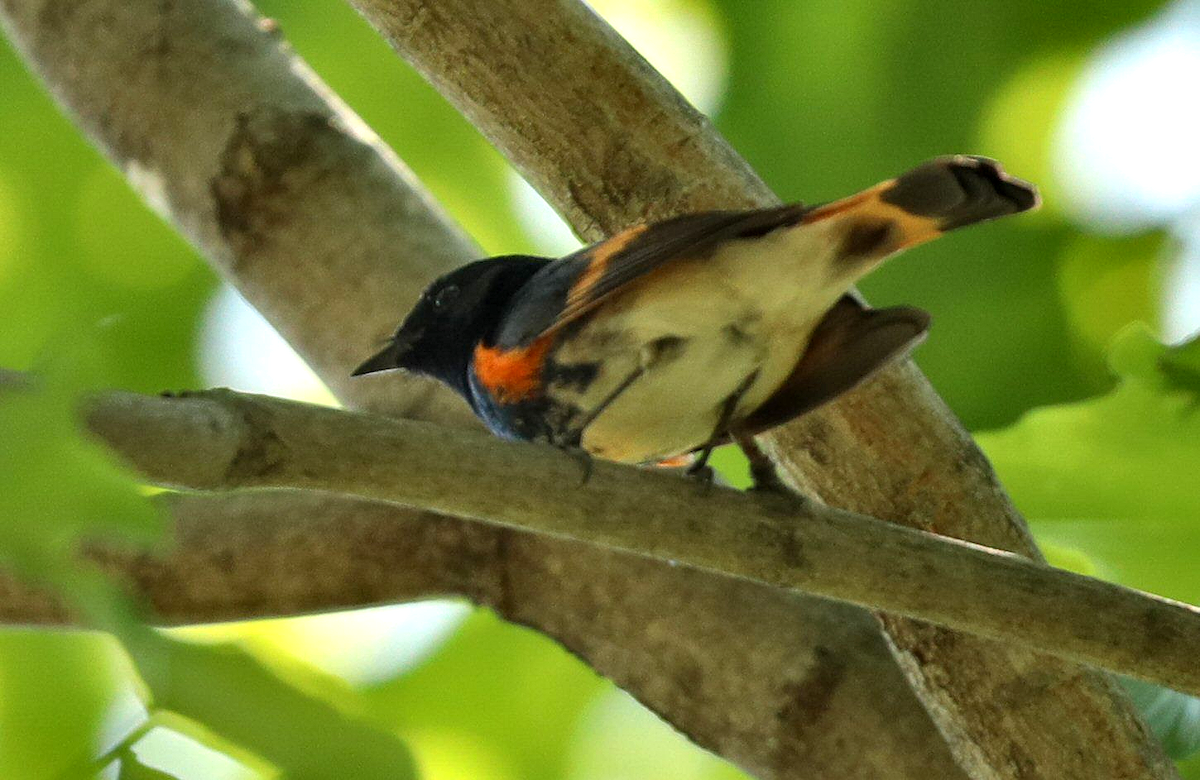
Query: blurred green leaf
(63, 270)
(170, 742)
(1189, 768)
(498, 695)
(620, 738)
(1156, 556)
(11, 229)
(1106, 283)
(1066, 557)
(57, 696)
(244, 706)
(133, 769)
(124, 244)
(1180, 367)
(57, 485)
(1131, 454)
(240, 700)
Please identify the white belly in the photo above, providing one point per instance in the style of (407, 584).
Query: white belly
(698, 330)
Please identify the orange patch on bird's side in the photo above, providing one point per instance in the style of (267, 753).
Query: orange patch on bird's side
(514, 374)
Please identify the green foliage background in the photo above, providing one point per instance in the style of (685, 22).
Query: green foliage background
(1099, 444)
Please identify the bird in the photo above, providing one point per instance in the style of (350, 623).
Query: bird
(671, 338)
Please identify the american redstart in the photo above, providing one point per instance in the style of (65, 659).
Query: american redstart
(678, 336)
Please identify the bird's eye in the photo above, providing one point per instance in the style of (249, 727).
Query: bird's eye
(445, 297)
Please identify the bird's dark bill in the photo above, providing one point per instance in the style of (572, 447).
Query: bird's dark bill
(383, 360)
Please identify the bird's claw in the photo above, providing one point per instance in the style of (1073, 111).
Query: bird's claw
(583, 458)
(702, 474)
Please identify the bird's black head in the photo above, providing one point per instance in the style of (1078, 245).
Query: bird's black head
(453, 315)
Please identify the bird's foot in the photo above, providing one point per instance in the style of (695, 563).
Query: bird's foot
(703, 475)
(582, 457)
(764, 474)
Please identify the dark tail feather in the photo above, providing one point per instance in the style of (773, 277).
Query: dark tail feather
(919, 206)
(959, 191)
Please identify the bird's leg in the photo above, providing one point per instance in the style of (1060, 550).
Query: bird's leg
(608, 399)
(700, 468)
(580, 456)
(763, 472)
(574, 446)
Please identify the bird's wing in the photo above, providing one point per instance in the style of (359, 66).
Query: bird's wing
(569, 288)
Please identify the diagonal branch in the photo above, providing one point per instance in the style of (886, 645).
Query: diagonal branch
(222, 439)
(609, 143)
(223, 129)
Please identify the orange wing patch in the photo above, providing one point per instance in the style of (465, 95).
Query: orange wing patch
(601, 255)
(512, 375)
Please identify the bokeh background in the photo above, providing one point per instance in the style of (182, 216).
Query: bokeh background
(1046, 336)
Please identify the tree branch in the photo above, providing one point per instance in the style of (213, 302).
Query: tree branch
(255, 554)
(219, 126)
(607, 141)
(221, 439)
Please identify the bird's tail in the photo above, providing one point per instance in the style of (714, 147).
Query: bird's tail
(918, 206)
